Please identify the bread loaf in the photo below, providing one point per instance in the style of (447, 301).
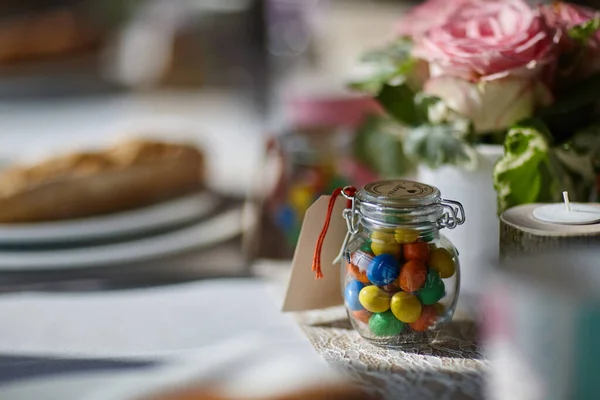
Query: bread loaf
(130, 175)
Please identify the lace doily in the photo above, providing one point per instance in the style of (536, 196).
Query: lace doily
(451, 368)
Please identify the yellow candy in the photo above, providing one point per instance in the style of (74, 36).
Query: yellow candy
(406, 307)
(374, 299)
(440, 260)
(403, 235)
(383, 242)
(301, 197)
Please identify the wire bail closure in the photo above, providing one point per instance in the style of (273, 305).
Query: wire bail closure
(452, 217)
(351, 214)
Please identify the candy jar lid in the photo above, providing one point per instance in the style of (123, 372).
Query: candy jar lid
(399, 201)
(399, 193)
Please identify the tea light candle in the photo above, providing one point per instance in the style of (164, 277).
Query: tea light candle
(567, 213)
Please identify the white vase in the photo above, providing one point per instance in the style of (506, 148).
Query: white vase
(476, 240)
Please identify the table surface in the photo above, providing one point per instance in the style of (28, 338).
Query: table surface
(451, 368)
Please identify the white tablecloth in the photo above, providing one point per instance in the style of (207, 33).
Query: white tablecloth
(144, 322)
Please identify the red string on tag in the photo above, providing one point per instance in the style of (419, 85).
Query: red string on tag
(316, 263)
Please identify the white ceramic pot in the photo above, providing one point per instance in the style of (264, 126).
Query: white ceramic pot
(476, 240)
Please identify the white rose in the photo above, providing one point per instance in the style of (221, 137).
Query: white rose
(490, 105)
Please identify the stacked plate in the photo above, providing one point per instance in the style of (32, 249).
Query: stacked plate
(143, 234)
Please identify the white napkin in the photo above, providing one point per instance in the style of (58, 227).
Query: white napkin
(143, 322)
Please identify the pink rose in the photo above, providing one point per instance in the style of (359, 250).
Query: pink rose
(422, 18)
(565, 16)
(486, 40)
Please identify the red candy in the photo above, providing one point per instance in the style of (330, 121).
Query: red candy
(418, 251)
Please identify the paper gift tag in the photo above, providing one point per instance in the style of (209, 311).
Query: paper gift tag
(304, 291)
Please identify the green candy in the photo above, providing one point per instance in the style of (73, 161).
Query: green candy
(336, 182)
(385, 324)
(366, 246)
(433, 289)
(394, 220)
(428, 237)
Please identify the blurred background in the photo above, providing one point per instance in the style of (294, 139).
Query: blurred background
(259, 87)
(248, 99)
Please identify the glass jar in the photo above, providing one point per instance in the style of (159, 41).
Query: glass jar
(315, 156)
(400, 276)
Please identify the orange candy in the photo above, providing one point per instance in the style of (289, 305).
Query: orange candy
(427, 318)
(362, 315)
(356, 273)
(418, 251)
(412, 276)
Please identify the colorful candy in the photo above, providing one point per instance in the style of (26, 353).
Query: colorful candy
(412, 276)
(428, 316)
(362, 315)
(356, 273)
(383, 270)
(366, 246)
(405, 235)
(316, 179)
(351, 293)
(285, 218)
(392, 290)
(301, 197)
(406, 307)
(383, 242)
(361, 259)
(433, 289)
(441, 260)
(428, 237)
(374, 299)
(418, 251)
(385, 324)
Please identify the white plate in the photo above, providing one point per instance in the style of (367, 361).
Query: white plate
(217, 229)
(117, 224)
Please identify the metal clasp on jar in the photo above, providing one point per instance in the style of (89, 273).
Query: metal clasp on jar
(453, 216)
(351, 215)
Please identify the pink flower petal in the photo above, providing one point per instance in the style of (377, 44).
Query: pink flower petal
(485, 38)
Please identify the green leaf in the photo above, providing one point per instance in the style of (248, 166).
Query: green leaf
(437, 145)
(395, 53)
(399, 102)
(373, 84)
(378, 145)
(580, 160)
(526, 173)
(390, 64)
(585, 30)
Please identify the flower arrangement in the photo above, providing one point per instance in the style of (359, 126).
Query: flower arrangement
(468, 72)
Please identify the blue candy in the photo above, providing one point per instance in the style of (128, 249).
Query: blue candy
(383, 270)
(351, 294)
(285, 218)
